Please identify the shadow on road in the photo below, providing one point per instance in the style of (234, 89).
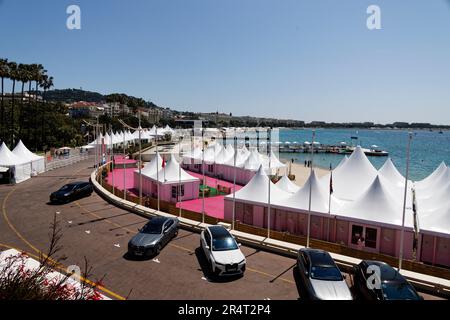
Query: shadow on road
(205, 267)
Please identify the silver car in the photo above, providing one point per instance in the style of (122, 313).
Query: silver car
(320, 276)
(153, 236)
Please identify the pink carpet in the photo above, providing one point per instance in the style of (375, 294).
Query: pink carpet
(214, 206)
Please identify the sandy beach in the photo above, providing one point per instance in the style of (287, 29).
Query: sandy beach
(302, 173)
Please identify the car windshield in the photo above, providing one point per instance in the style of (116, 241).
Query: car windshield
(330, 273)
(68, 187)
(398, 291)
(152, 228)
(224, 243)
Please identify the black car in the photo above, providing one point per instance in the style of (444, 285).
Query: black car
(319, 276)
(72, 191)
(153, 236)
(391, 286)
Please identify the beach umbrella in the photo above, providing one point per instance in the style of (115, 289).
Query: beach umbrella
(307, 142)
(287, 142)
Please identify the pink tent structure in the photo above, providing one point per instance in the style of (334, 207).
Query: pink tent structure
(175, 184)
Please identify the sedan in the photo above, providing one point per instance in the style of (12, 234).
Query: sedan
(72, 191)
(320, 276)
(222, 251)
(376, 280)
(153, 236)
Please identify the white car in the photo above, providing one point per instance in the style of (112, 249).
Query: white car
(222, 251)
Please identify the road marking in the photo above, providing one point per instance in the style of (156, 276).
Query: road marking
(156, 260)
(203, 278)
(5, 217)
(117, 245)
(69, 222)
(57, 212)
(88, 231)
(269, 275)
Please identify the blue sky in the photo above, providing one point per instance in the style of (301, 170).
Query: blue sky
(306, 60)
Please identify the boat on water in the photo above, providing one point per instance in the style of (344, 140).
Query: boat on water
(374, 151)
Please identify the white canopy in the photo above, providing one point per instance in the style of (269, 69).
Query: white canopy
(287, 185)
(377, 204)
(344, 160)
(390, 172)
(437, 221)
(253, 161)
(22, 152)
(21, 168)
(256, 190)
(172, 173)
(151, 167)
(353, 177)
(9, 159)
(37, 162)
(319, 197)
(433, 176)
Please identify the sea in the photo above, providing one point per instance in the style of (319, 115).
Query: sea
(428, 148)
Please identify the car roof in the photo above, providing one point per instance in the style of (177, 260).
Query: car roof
(159, 219)
(219, 231)
(388, 273)
(319, 257)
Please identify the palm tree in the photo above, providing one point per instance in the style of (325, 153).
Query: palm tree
(23, 72)
(47, 83)
(13, 75)
(4, 73)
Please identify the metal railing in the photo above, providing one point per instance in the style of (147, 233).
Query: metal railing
(66, 161)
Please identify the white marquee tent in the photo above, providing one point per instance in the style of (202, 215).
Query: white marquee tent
(37, 162)
(20, 169)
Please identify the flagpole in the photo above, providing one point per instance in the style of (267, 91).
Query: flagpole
(270, 173)
(157, 165)
(124, 166)
(234, 180)
(400, 256)
(179, 174)
(310, 190)
(203, 174)
(329, 202)
(140, 159)
(112, 158)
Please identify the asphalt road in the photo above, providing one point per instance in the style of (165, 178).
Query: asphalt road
(94, 229)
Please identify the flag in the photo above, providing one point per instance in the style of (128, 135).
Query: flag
(163, 165)
(331, 180)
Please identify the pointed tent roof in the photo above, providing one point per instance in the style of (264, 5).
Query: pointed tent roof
(358, 170)
(152, 166)
(377, 204)
(275, 162)
(433, 176)
(390, 172)
(253, 161)
(319, 197)
(241, 158)
(435, 200)
(287, 185)
(344, 160)
(223, 156)
(437, 184)
(9, 159)
(257, 190)
(437, 221)
(22, 152)
(172, 173)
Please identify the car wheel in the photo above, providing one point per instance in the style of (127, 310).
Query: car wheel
(175, 233)
(158, 249)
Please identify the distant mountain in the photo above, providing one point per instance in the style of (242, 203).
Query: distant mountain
(73, 95)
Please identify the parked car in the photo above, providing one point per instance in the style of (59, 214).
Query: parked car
(72, 191)
(222, 251)
(320, 277)
(392, 285)
(153, 236)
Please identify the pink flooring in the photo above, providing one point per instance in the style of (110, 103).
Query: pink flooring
(120, 160)
(214, 206)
